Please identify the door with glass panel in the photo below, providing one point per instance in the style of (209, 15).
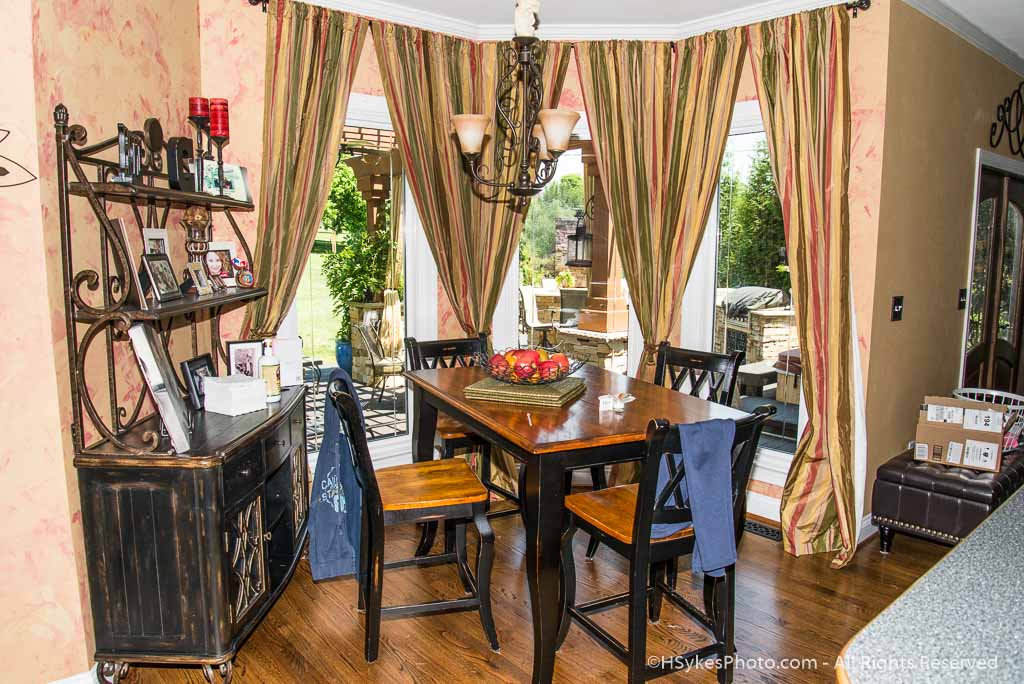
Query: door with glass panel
(994, 326)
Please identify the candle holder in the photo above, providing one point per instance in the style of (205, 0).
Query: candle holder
(220, 141)
(201, 124)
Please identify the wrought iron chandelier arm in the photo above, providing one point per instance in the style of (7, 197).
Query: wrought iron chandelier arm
(474, 171)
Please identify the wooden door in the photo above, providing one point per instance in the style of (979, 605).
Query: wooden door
(994, 348)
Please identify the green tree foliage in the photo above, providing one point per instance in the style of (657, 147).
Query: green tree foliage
(359, 268)
(346, 208)
(560, 199)
(752, 240)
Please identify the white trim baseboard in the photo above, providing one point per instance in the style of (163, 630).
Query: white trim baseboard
(867, 530)
(766, 507)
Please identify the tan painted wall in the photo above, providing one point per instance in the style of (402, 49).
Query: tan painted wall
(941, 99)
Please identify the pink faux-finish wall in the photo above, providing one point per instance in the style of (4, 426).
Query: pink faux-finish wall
(108, 61)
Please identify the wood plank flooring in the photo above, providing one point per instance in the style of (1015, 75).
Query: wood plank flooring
(787, 608)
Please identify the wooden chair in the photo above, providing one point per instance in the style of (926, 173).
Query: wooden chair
(700, 374)
(383, 366)
(621, 517)
(453, 434)
(431, 490)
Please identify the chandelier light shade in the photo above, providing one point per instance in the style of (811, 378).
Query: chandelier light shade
(558, 125)
(471, 129)
(529, 139)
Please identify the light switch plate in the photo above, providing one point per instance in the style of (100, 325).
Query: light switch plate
(897, 308)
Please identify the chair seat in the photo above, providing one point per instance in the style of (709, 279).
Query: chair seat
(611, 511)
(430, 484)
(390, 363)
(449, 428)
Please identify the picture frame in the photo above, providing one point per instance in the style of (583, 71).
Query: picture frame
(161, 277)
(131, 279)
(197, 272)
(195, 371)
(157, 370)
(155, 241)
(218, 258)
(236, 181)
(244, 358)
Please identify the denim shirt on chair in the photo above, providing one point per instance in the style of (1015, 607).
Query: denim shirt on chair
(336, 507)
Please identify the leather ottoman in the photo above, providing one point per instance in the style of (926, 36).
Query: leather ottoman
(937, 502)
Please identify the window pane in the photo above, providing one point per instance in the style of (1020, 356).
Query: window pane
(752, 299)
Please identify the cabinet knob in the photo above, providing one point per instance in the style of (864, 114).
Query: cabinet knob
(282, 442)
(267, 536)
(245, 471)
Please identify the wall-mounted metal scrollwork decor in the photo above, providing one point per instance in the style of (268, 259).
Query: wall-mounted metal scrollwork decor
(1009, 120)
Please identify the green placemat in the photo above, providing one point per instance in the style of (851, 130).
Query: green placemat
(555, 394)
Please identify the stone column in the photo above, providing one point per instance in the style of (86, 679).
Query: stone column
(606, 302)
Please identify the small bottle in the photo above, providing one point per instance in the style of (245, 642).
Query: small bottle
(270, 371)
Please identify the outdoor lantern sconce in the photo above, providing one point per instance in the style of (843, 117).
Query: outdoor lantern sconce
(580, 246)
(533, 138)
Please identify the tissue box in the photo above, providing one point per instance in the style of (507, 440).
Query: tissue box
(235, 395)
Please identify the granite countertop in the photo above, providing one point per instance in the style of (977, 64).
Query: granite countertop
(963, 621)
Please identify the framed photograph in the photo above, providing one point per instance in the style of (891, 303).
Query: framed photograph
(155, 241)
(218, 262)
(244, 358)
(161, 277)
(197, 272)
(131, 279)
(236, 180)
(195, 371)
(156, 368)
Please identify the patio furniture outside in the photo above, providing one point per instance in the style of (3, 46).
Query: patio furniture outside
(383, 366)
(531, 316)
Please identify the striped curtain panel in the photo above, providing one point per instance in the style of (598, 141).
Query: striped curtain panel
(312, 54)
(802, 73)
(659, 115)
(473, 232)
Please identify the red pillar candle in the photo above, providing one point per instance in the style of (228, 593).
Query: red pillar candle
(198, 107)
(219, 127)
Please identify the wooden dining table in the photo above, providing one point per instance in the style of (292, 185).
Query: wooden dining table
(550, 443)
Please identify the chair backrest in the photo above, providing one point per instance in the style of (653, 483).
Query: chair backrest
(444, 353)
(371, 341)
(352, 430)
(528, 300)
(666, 506)
(701, 374)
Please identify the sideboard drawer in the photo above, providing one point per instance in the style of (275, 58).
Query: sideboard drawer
(277, 445)
(241, 474)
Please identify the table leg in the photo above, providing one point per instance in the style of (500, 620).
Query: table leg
(424, 425)
(543, 502)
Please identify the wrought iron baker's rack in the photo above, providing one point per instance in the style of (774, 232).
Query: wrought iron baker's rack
(110, 312)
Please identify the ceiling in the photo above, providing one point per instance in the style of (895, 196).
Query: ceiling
(1000, 20)
(996, 26)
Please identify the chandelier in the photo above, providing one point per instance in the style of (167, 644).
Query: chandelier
(534, 138)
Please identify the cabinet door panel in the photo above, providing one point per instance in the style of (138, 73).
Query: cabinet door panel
(247, 566)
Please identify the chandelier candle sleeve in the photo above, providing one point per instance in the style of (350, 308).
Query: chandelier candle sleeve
(558, 125)
(471, 129)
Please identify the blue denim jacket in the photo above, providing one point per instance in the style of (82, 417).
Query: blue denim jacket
(337, 501)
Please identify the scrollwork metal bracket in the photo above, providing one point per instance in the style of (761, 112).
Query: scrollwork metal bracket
(1009, 120)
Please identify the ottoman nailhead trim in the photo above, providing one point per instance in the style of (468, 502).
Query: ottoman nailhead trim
(916, 528)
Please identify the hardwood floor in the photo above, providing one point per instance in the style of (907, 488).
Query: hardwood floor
(786, 608)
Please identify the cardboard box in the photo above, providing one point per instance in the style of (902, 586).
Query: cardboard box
(961, 433)
(235, 395)
(788, 388)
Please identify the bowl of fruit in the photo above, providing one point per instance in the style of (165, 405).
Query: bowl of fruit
(530, 366)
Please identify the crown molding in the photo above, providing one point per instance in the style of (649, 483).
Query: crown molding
(432, 21)
(960, 25)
